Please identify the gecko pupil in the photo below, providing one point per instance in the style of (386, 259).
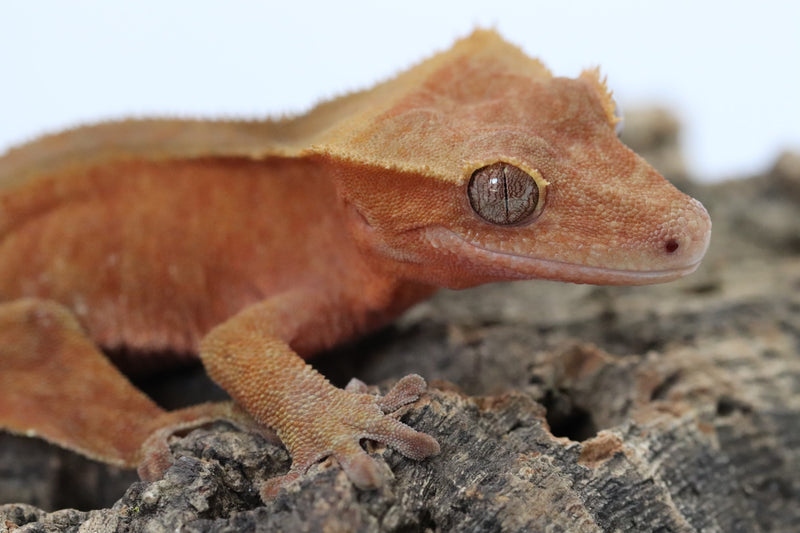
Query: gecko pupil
(503, 194)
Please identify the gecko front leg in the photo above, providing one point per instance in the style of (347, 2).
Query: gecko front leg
(250, 356)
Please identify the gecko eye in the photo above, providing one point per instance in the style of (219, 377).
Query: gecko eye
(503, 194)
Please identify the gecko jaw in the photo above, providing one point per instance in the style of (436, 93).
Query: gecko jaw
(510, 266)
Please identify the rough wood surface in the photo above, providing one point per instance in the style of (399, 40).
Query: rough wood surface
(558, 407)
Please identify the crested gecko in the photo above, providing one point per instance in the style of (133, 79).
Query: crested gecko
(254, 245)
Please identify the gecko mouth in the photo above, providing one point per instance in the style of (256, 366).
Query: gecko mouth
(501, 265)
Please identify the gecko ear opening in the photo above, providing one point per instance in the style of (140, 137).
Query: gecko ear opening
(506, 195)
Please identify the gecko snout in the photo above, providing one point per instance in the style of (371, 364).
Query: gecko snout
(686, 239)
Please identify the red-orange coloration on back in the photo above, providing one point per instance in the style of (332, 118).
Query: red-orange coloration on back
(249, 243)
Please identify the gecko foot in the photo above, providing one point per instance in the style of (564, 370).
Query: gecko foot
(345, 418)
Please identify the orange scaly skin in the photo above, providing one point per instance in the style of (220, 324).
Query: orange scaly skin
(249, 243)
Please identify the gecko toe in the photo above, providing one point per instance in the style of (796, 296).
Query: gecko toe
(405, 391)
(409, 442)
(356, 385)
(270, 488)
(362, 470)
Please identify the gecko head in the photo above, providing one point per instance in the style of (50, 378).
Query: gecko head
(489, 168)
(508, 220)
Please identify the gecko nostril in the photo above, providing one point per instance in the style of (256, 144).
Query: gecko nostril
(671, 246)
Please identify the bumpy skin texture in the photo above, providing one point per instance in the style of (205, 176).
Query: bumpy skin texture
(250, 243)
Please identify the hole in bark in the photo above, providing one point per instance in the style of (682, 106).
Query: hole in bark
(663, 388)
(727, 405)
(425, 523)
(567, 419)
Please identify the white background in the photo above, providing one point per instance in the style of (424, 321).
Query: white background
(731, 69)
